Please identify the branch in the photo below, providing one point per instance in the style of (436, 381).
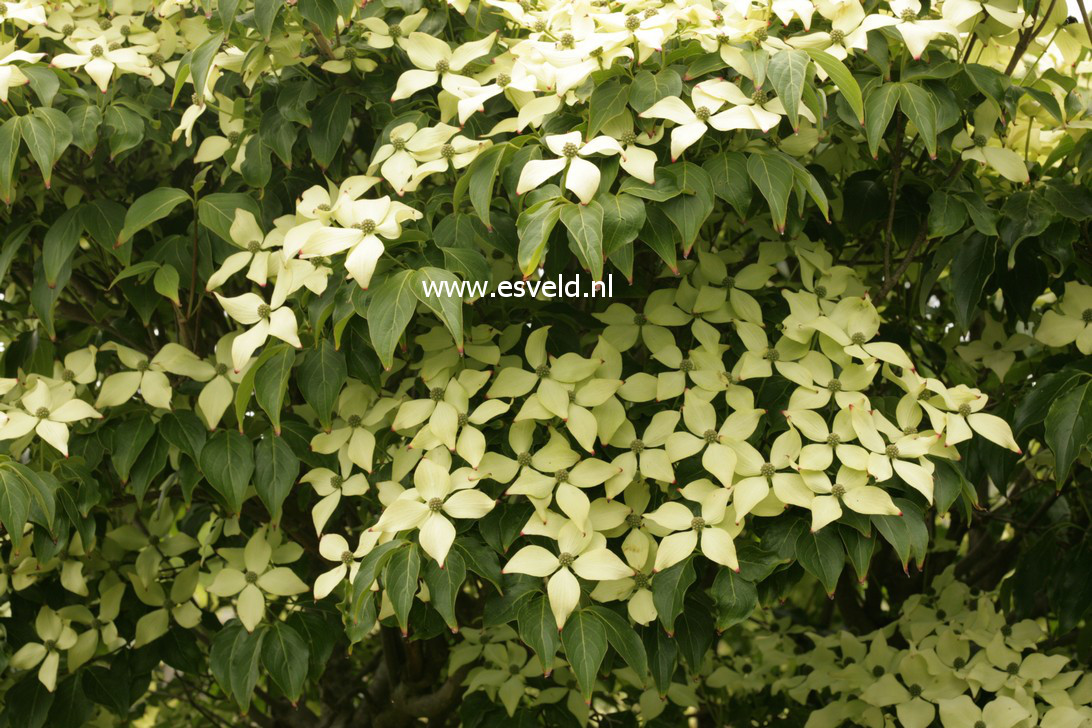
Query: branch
(890, 281)
(321, 42)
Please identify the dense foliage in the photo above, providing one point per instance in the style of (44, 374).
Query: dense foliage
(821, 457)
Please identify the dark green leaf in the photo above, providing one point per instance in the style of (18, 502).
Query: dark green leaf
(669, 591)
(585, 226)
(538, 630)
(390, 308)
(821, 554)
(284, 657)
(774, 178)
(149, 208)
(606, 102)
(648, 88)
(585, 640)
(879, 107)
(971, 267)
(227, 461)
(623, 638)
(788, 71)
(321, 376)
(1069, 428)
(276, 468)
(400, 580)
(271, 383)
(448, 308)
(444, 584)
(331, 121)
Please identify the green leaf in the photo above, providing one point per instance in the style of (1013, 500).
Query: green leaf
(284, 656)
(585, 640)
(257, 166)
(788, 71)
(623, 638)
(276, 468)
(480, 559)
(689, 210)
(735, 598)
(659, 234)
(647, 88)
(449, 309)
(370, 566)
(948, 483)
(43, 81)
(585, 226)
(534, 226)
(666, 187)
(265, 14)
(947, 215)
(774, 178)
(11, 138)
(390, 308)
(13, 241)
(970, 270)
(14, 501)
(695, 631)
(129, 439)
(47, 133)
(27, 703)
(669, 591)
(148, 208)
(322, 374)
(152, 460)
(165, 282)
(227, 9)
(821, 554)
(234, 660)
(184, 430)
(1036, 402)
(731, 183)
(897, 533)
(918, 105)
(843, 79)
(859, 549)
(124, 128)
(623, 218)
(60, 243)
(1047, 101)
(538, 630)
(323, 13)
(1069, 428)
(444, 584)
(879, 107)
(86, 120)
(481, 175)
(217, 211)
(331, 121)
(271, 383)
(103, 221)
(400, 579)
(201, 62)
(663, 653)
(227, 461)
(606, 102)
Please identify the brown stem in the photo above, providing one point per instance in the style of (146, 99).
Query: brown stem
(1084, 18)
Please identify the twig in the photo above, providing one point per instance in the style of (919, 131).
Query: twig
(890, 281)
(1084, 17)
